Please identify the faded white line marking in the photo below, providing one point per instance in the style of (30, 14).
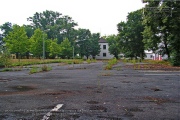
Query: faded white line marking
(56, 108)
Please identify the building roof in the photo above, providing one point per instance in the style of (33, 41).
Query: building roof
(102, 40)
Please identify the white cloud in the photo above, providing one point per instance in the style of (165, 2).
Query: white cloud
(96, 15)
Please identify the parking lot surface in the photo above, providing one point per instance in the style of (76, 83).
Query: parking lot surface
(88, 92)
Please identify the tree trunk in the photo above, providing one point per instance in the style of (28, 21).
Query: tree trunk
(166, 48)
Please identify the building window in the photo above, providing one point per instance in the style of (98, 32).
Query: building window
(104, 54)
(104, 47)
(151, 56)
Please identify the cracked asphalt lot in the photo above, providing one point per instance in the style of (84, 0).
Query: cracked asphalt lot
(88, 92)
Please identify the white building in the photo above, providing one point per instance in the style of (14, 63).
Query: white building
(154, 56)
(104, 52)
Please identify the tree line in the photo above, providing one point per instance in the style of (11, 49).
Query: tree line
(155, 27)
(52, 29)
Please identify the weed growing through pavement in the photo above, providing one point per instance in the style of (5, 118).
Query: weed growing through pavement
(110, 64)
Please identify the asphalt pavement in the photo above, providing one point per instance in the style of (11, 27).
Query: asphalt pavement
(88, 92)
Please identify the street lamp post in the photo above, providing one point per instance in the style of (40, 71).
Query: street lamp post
(44, 43)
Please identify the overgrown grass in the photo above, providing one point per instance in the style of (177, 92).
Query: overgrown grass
(110, 64)
(25, 62)
(6, 70)
(36, 69)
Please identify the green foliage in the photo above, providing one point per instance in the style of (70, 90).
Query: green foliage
(114, 48)
(6, 70)
(176, 59)
(60, 26)
(6, 28)
(36, 43)
(94, 44)
(88, 61)
(110, 64)
(66, 49)
(17, 40)
(162, 28)
(5, 59)
(54, 48)
(130, 35)
(33, 70)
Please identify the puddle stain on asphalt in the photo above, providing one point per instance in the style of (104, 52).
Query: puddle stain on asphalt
(19, 89)
(4, 80)
(92, 102)
(23, 88)
(99, 108)
(57, 93)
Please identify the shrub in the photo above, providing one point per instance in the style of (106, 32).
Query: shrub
(5, 59)
(176, 60)
(44, 68)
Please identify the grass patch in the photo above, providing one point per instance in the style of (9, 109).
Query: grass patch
(6, 70)
(110, 64)
(36, 69)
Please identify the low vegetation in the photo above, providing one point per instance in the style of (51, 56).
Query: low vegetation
(43, 68)
(110, 64)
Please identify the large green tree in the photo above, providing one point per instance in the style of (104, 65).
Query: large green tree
(17, 41)
(130, 35)
(54, 49)
(83, 42)
(54, 24)
(36, 43)
(94, 44)
(160, 32)
(66, 50)
(114, 48)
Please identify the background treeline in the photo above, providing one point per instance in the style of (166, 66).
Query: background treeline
(155, 27)
(55, 30)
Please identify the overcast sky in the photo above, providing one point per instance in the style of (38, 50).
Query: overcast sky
(97, 15)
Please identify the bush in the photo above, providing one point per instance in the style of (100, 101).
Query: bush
(5, 59)
(176, 60)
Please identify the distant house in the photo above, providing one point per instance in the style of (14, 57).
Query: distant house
(104, 52)
(154, 56)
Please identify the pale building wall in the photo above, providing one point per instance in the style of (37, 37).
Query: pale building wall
(104, 53)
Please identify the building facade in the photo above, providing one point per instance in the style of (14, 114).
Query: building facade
(104, 51)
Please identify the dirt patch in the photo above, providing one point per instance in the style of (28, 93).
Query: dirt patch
(153, 67)
(157, 100)
(99, 108)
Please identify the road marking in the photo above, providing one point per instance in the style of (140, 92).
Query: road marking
(56, 108)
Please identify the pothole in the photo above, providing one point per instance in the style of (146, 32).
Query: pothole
(156, 89)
